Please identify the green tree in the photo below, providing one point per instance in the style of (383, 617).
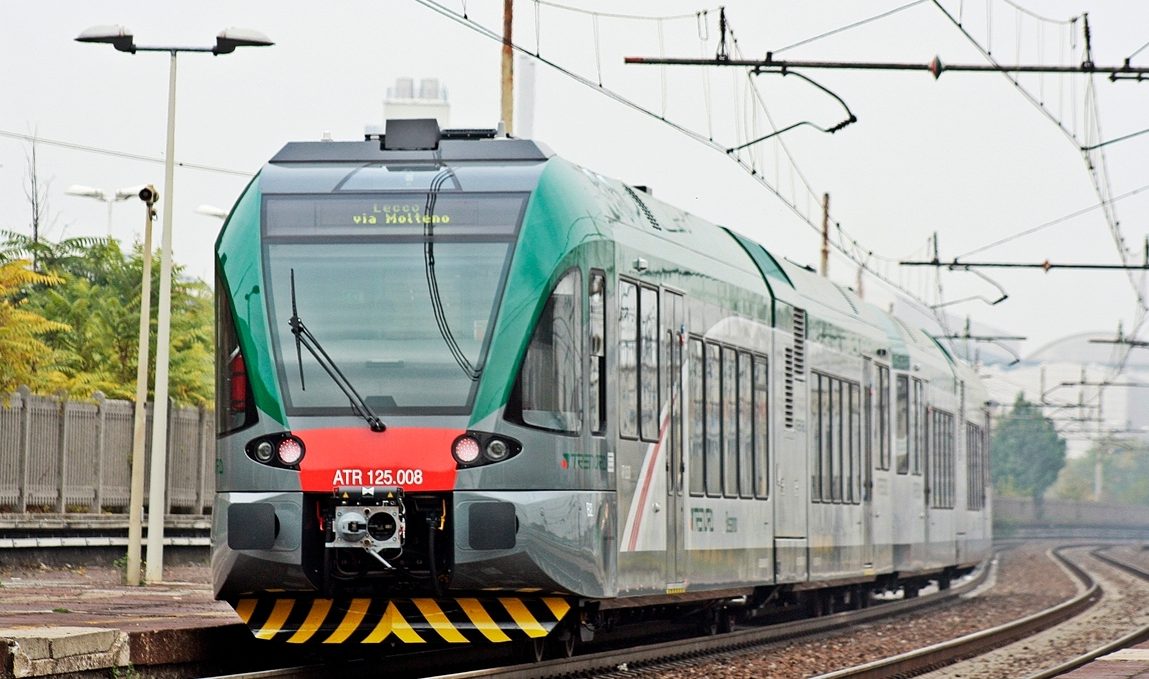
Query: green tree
(1124, 467)
(1027, 452)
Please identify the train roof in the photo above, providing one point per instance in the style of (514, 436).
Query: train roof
(486, 160)
(417, 140)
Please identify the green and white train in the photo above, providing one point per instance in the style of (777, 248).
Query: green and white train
(470, 392)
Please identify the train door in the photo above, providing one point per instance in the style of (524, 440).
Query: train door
(868, 463)
(673, 361)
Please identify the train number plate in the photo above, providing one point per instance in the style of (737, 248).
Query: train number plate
(377, 477)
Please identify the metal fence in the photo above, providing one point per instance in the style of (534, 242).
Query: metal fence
(73, 456)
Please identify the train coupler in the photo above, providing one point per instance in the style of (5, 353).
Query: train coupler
(371, 518)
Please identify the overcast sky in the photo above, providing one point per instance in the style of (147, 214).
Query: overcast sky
(966, 156)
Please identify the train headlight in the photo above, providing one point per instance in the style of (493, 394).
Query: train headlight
(264, 451)
(290, 451)
(465, 449)
(497, 450)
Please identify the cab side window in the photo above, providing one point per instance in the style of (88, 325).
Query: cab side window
(550, 380)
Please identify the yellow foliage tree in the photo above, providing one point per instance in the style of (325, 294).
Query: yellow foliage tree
(24, 357)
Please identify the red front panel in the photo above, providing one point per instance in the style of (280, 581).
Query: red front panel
(414, 459)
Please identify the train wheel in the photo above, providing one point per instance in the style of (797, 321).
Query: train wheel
(708, 625)
(727, 620)
(561, 643)
(531, 650)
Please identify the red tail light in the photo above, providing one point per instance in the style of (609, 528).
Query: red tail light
(237, 379)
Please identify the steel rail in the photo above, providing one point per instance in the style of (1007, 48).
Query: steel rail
(970, 645)
(1125, 641)
(647, 658)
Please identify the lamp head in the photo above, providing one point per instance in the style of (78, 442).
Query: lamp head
(230, 38)
(119, 37)
(149, 195)
(86, 192)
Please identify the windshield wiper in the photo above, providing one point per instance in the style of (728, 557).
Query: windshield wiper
(471, 370)
(304, 338)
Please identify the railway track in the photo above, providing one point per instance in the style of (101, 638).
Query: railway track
(1118, 620)
(648, 659)
(1109, 588)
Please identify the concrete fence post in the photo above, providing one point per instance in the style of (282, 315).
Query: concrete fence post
(170, 468)
(62, 456)
(101, 451)
(25, 452)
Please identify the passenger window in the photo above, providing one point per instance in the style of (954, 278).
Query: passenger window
(817, 429)
(840, 439)
(648, 363)
(550, 382)
(697, 419)
(855, 478)
(597, 376)
(829, 428)
(883, 417)
(902, 440)
(745, 427)
(761, 429)
(729, 422)
(627, 359)
(713, 419)
(920, 431)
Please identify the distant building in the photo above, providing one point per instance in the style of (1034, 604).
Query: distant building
(428, 100)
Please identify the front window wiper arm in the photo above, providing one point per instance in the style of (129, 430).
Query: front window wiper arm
(304, 338)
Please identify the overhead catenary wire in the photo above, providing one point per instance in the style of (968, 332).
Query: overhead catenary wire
(37, 139)
(617, 15)
(847, 27)
(1052, 222)
(748, 167)
(1098, 171)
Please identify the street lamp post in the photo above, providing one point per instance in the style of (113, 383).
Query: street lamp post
(109, 197)
(149, 195)
(123, 40)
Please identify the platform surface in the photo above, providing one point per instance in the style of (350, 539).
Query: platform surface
(77, 618)
(1127, 663)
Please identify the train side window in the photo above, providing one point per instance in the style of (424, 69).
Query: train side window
(855, 444)
(597, 377)
(648, 363)
(745, 426)
(550, 382)
(829, 406)
(817, 428)
(627, 359)
(713, 419)
(234, 405)
(920, 429)
(729, 422)
(883, 418)
(902, 433)
(942, 460)
(696, 470)
(761, 429)
(840, 439)
(951, 464)
(975, 449)
(933, 458)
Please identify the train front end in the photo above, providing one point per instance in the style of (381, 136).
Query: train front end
(359, 285)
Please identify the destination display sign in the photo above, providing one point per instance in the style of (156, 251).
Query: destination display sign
(392, 215)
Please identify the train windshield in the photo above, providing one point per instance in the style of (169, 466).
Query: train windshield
(401, 291)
